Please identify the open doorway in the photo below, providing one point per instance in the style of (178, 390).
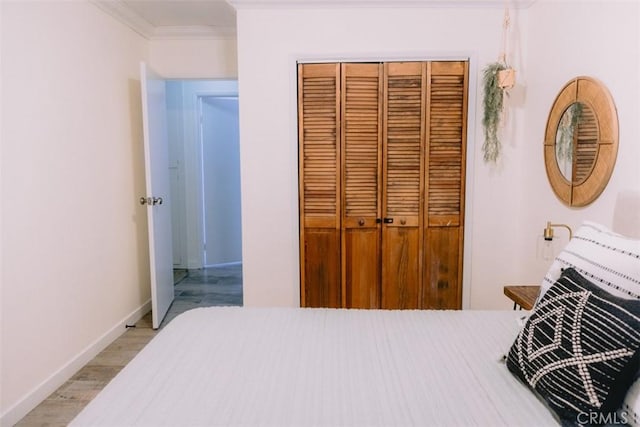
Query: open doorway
(202, 119)
(219, 140)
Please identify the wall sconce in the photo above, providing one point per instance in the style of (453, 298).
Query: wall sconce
(548, 231)
(547, 249)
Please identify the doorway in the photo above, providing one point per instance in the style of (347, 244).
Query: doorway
(220, 145)
(191, 105)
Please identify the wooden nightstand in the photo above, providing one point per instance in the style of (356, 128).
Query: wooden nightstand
(522, 295)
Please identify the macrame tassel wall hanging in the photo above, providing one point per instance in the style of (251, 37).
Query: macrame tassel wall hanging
(498, 77)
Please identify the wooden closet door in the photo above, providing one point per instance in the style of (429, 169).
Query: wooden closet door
(445, 184)
(382, 142)
(320, 180)
(361, 165)
(403, 167)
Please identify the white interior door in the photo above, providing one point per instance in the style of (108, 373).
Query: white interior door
(157, 200)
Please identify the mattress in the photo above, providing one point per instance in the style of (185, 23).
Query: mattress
(234, 366)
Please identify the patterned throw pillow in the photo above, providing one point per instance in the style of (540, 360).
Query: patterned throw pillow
(612, 262)
(609, 260)
(579, 349)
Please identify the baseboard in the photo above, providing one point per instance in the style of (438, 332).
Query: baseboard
(224, 264)
(51, 384)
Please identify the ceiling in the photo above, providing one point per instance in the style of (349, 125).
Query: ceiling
(156, 19)
(161, 13)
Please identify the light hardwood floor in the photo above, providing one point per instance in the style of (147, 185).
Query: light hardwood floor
(200, 288)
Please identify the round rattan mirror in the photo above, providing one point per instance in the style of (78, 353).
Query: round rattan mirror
(581, 141)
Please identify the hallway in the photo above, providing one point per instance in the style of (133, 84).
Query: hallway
(212, 286)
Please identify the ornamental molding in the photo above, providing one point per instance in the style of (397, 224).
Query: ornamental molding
(307, 4)
(123, 13)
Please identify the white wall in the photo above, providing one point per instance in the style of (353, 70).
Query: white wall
(567, 39)
(221, 180)
(74, 239)
(1, 210)
(194, 59)
(508, 203)
(75, 256)
(270, 41)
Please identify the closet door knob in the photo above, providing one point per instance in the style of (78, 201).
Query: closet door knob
(361, 222)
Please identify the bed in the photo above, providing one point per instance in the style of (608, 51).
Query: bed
(233, 366)
(326, 367)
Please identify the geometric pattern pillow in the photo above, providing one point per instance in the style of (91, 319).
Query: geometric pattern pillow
(579, 349)
(607, 259)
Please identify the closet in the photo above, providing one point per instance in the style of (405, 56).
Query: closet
(382, 149)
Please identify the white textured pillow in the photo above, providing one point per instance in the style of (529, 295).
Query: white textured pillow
(608, 259)
(631, 405)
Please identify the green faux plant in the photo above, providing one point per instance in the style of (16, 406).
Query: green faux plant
(493, 104)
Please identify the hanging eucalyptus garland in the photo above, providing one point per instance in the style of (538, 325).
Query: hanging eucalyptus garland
(493, 104)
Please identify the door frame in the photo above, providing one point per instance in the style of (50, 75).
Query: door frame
(200, 153)
(191, 157)
(472, 96)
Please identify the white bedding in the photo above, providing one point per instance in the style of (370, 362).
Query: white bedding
(231, 366)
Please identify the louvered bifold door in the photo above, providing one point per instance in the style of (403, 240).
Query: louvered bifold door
(445, 179)
(403, 142)
(361, 165)
(319, 192)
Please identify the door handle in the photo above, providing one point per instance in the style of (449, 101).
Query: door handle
(151, 201)
(388, 220)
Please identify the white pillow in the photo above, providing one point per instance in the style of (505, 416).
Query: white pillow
(607, 259)
(631, 405)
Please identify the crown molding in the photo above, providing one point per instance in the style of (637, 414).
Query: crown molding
(120, 11)
(193, 32)
(123, 13)
(306, 4)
